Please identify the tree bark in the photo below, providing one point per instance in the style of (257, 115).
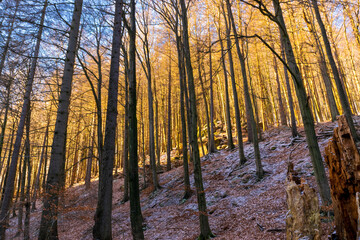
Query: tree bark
(281, 105)
(343, 158)
(235, 95)
(102, 228)
(294, 131)
(56, 177)
(8, 39)
(135, 209)
(9, 185)
(212, 147)
(227, 100)
(324, 71)
(304, 108)
(203, 217)
(341, 92)
(249, 111)
(168, 150)
(37, 180)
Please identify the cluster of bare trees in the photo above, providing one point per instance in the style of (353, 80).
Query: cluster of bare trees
(57, 128)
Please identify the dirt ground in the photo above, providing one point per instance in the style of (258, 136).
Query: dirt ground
(239, 206)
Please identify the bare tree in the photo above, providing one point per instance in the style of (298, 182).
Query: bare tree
(56, 176)
(102, 227)
(135, 209)
(203, 217)
(9, 186)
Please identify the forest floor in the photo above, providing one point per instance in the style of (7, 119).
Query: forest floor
(240, 207)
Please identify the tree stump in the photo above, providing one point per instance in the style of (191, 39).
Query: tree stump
(342, 157)
(303, 217)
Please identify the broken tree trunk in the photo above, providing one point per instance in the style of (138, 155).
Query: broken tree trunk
(343, 158)
(303, 217)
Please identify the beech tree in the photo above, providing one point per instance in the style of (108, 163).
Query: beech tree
(56, 176)
(102, 227)
(249, 108)
(135, 209)
(205, 231)
(304, 107)
(341, 92)
(9, 186)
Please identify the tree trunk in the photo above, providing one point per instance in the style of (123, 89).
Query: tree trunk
(303, 216)
(204, 222)
(305, 109)
(56, 177)
(3, 126)
(168, 150)
(102, 228)
(227, 100)
(341, 92)
(212, 147)
(181, 66)
(235, 95)
(135, 209)
(8, 39)
(343, 158)
(324, 71)
(27, 193)
(281, 105)
(90, 156)
(250, 112)
(37, 180)
(294, 131)
(151, 109)
(157, 133)
(204, 97)
(9, 185)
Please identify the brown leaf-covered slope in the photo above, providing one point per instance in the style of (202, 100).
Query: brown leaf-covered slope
(239, 206)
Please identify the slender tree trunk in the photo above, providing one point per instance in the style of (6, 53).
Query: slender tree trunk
(56, 177)
(341, 92)
(227, 99)
(28, 167)
(324, 71)
(37, 180)
(151, 112)
(168, 150)
(157, 133)
(90, 156)
(204, 222)
(3, 126)
(76, 156)
(126, 131)
(212, 147)
(135, 209)
(305, 109)
(102, 228)
(9, 186)
(281, 105)
(294, 131)
(259, 169)
(8, 39)
(22, 175)
(204, 97)
(181, 65)
(22, 178)
(27, 205)
(6, 170)
(235, 95)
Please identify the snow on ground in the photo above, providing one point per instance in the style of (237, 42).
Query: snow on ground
(239, 206)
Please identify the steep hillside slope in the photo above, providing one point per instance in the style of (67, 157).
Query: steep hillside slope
(239, 206)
